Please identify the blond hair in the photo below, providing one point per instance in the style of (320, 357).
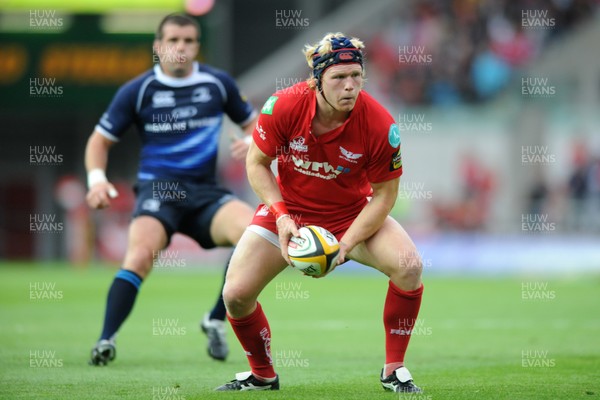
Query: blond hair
(323, 47)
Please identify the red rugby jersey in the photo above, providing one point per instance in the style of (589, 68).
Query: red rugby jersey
(328, 174)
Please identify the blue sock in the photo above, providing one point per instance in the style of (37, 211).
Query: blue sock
(119, 304)
(219, 311)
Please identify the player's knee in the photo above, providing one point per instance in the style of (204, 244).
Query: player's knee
(410, 265)
(140, 259)
(237, 300)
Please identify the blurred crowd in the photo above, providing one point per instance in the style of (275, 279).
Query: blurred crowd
(442, 52)
(575, 203)
(570, 205)
(471, 211)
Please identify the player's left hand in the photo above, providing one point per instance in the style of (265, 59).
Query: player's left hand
(340, 259)
(239, 148)
(344, 250)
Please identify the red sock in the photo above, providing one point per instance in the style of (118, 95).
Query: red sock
(254, 334)
(399, 315)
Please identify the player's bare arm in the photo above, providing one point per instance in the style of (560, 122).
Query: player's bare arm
(264, 184)
(371, 218)
(100, 190)
(260, 176)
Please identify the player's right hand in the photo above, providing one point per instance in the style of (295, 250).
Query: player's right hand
(286, 228)
(239, 148)
(99, 195)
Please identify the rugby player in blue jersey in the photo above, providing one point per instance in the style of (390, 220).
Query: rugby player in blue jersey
(178, 109)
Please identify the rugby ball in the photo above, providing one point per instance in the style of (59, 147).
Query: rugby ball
(315, 251)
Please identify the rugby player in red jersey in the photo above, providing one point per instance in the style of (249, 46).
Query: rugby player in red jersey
(339, 166)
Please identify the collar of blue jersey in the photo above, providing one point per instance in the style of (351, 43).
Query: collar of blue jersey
(165, 79)
(343, 52)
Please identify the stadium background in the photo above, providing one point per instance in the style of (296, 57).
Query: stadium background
(496, 100)
(497, 103)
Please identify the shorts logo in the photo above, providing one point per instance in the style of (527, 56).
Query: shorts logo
(297, 144)
(269, 104)
(394, 135)
(264, 211)
(163, 98)
(152, 205)
(349, 156)
(396, 162)
(201, 95)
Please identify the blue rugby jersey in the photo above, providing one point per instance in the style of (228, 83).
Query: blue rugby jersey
(179, 121)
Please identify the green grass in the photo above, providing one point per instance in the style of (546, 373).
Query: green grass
(327, 341)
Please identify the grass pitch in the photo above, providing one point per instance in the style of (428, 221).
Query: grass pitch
(508, 338)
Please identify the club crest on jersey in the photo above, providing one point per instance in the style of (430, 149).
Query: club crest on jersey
(349, 156)
(163, 98)
(297, 144)
(394, 135)
(201, 95)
